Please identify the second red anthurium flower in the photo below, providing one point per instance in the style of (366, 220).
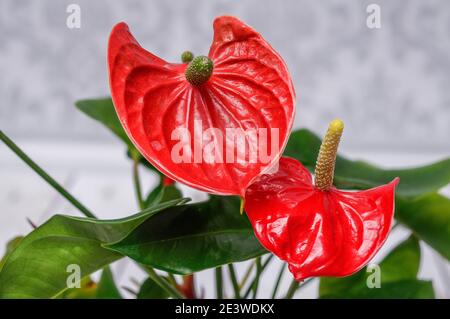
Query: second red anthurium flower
(318, 229)
(177, 113)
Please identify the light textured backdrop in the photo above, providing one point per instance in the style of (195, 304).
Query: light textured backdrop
(390, 85)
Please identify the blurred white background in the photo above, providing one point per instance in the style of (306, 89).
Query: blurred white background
(389, 85)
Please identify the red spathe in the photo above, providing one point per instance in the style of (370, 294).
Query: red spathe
(250, 88)
(319, 233)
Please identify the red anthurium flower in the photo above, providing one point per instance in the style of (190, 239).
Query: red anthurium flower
(318, 229)
(187, 288)
(178, 115)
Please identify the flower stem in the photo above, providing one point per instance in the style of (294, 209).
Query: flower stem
(277, 283)
(258, 277)
(174, 293)
(292, 289)
(234, 281)
(171, 282)
(137, 183)
(295, 285)
(327, 156)
(219, 283)
(172, 279)
(259, 269)
(60, 189)
(52, 182)
(246, 275)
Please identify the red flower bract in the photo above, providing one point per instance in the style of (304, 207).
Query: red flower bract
(319, 233)
(250, 88)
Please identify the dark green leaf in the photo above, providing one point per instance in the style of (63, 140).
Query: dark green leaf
(103, 111)
(193, 237)
(106, 288)
(162, 193)
(304, 146)
(398, 278)
(405, 289)
(402, 263)
(37, 268)
(429, 218)
(151, 290)
(340, 286)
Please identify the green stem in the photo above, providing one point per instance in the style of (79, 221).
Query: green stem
(130, 290)
(305, 283)
(268, 260)
(172, 279)
(35, 167)
(292, 289)
(219, 283)
(170, 284)
(277, 283)
(234, 281)
(295, 286)
(246, 275)
(258, 276)
(137, 183)
(164, 284)
(21, 154)
(254, 285)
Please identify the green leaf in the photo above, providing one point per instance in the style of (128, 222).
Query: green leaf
(103, 111)
(429, 218)
(10, 246)
(37, 268)
(398, 272)
(151, 290)
(304, 146)
(143, 161)
(405, 289)
(340, 286)
(403, 262)
(190, 238)
(87, 290)
(162, 193)
(106, 288)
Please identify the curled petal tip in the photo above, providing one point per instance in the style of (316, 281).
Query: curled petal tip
(121, 26)
(396, 181)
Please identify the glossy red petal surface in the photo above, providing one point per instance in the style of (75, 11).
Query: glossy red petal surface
(250, 88)
(333, 233)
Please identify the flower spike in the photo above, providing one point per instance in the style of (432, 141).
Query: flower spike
(327, 156)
